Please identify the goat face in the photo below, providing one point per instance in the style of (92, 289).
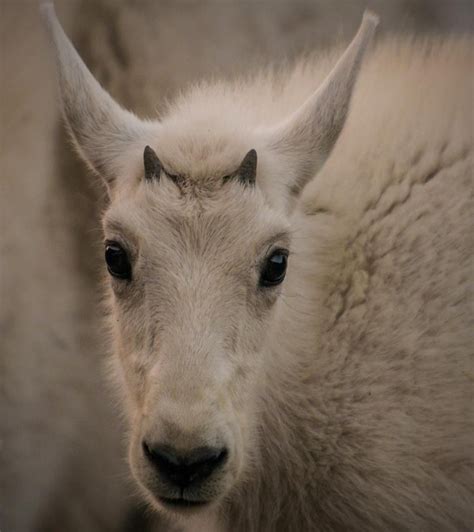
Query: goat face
(195, 284)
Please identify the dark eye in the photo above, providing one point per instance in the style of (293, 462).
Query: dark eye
(117, 261)
(274, 269)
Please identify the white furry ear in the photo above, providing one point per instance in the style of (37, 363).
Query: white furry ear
(101, 129)
(306, 138)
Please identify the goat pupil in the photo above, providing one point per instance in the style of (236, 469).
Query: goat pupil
(275, 268)
(117, 261)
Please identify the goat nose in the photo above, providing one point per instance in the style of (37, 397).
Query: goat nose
(183, 470)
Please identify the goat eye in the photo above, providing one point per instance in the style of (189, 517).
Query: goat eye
(117, 261)
(274, 269)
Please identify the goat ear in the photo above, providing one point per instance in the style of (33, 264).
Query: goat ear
(101, 129)
(306, 138)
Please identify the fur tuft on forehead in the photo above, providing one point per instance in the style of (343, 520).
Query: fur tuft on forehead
(201, 154)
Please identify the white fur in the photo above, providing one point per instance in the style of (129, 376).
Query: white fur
(343, 397)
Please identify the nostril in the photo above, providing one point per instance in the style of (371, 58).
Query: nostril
(184, 469)
(160, 455)
(207, 455)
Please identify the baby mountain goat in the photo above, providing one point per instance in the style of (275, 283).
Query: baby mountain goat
(337, 396)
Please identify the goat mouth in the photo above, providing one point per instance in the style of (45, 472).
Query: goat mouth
(182, 502)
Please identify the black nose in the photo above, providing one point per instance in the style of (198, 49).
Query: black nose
(184, 470)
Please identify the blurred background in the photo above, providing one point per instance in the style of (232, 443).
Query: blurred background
(62, 453)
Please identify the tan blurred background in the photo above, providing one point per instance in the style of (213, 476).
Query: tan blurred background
(62, 462)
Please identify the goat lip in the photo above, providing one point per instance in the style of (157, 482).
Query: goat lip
(182, 502)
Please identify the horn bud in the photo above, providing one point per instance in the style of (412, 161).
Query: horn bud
(247, 172)
(152, 164)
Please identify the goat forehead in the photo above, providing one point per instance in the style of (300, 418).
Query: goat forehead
(232, 217)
